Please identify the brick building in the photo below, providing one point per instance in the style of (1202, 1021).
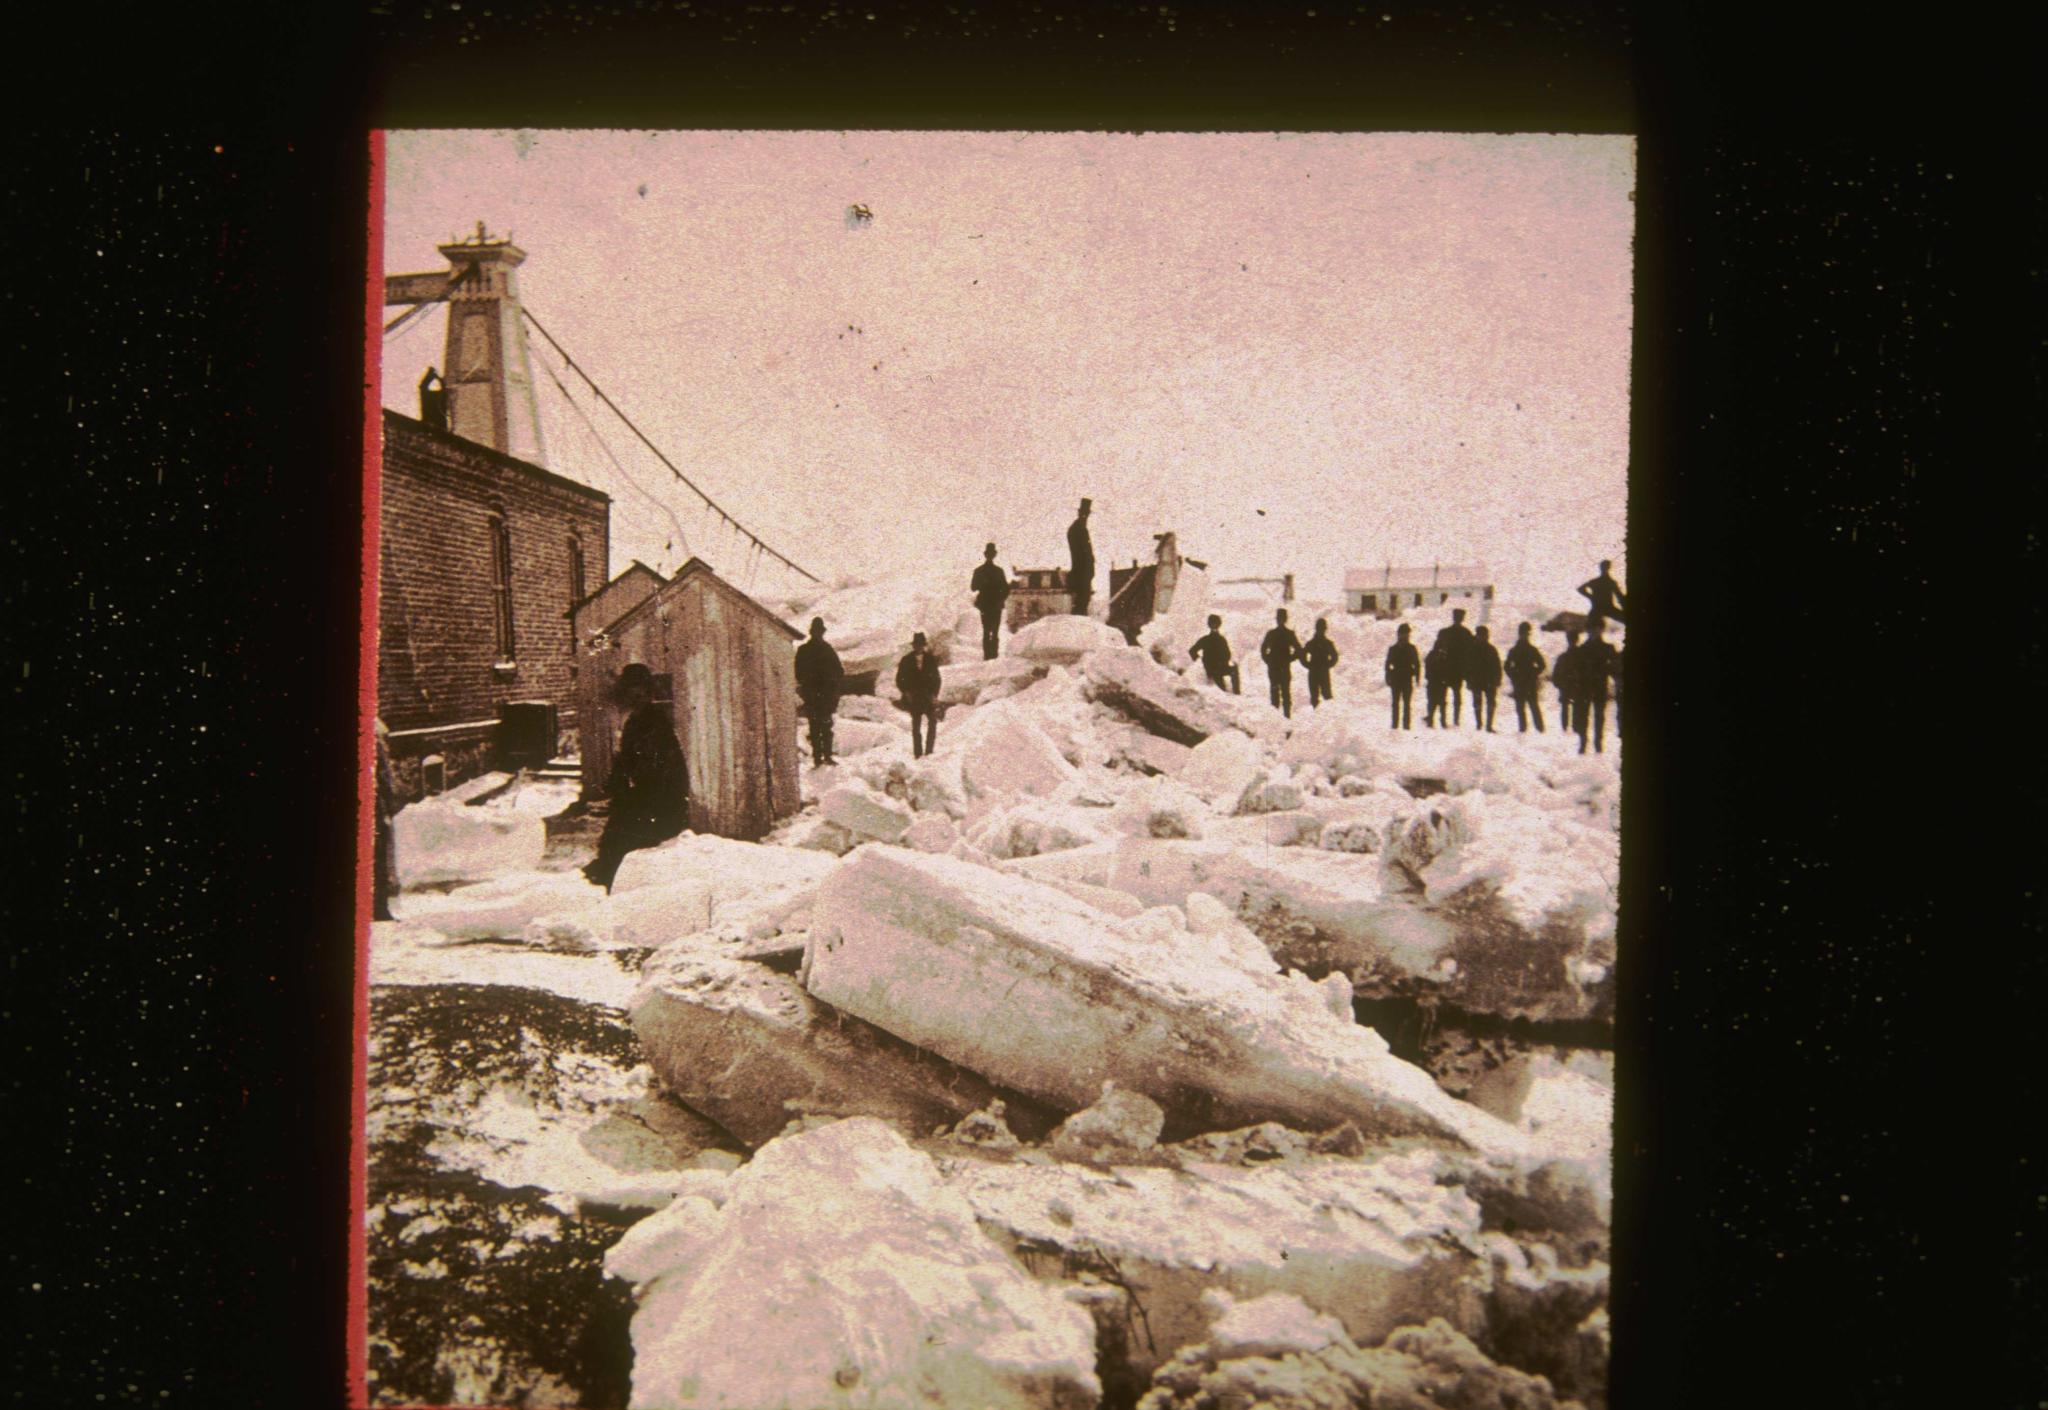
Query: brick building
(483, 556)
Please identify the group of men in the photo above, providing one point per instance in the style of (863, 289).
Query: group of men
(1280, 649)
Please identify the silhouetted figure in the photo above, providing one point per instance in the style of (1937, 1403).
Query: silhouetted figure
(818, 674)
(1593, 669)
(1525, 680)
(1605, 595)
(991, 590)
(1403, 666)
(1081, 575)
(1280, 650)
(650, 784)
(1214, 649)
(1436, 684)
(383, 872)
(1564, 673)
(1319, 653)
(1482, 678)
(1455, 641)
(917, 688)
(434, 400)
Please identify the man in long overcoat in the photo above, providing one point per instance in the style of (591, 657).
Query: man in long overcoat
(650, 784)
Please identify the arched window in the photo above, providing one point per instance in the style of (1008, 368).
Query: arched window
(501, 586)
(575, 571)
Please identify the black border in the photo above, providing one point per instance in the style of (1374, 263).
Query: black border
(1780, 1132)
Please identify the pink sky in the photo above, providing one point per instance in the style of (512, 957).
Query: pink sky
(1405, 347)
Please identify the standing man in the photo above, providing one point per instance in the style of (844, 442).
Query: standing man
(1403, 666)
(1605, 595)
(1482, 678)
(991, 590)
(650, 785)
(1280, 650)
(1525, 675)
(1455, 641)
(1436, 676)
(917, 688)
(1321, 656)
(1564, 675)
(1214, 649)
(818, 674)
(383, 875)
(1595, 667)
(1081, 576)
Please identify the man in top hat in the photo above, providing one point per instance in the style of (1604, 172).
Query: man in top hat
(917, 687)
(1214, 649)
(650, 785)
(818, 674)
(1081, 576)
(991, 591)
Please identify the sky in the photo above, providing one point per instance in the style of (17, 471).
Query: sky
(1302, 353)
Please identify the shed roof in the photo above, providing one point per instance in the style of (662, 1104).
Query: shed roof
(1442, 575)
(636, 566)
(697, 571)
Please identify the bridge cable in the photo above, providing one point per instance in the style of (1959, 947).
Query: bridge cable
(708, 500)
(624, 474)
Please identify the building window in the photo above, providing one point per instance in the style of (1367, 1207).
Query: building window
(1489, 594)
(1442, 598)
(575, 572)
(501, 586)
(1418, 599)
(1370, 602)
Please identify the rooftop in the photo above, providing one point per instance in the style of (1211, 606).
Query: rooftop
(1442, 575)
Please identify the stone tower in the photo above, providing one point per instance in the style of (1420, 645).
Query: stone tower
(485, 367)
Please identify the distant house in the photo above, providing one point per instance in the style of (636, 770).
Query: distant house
(1391, 591)
(481, 554)
(726, 667)
(1035, 593)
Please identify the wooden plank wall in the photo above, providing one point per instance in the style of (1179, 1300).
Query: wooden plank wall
(735, 704)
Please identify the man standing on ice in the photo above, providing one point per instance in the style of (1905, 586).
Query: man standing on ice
(1482, 678)
(818, 674)
(1594, 668)
(1081, 576)
(1214, 649)
(1525, 675)
(1564, 673)
(1436, 676)
(650, 785)
(1280, 650)
(1605, 595)
(1320, 654)
(917, 687)
(1403, 666)
(1455, 642)
(991, 591)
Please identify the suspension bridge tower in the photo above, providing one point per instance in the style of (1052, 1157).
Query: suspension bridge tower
(485, 367)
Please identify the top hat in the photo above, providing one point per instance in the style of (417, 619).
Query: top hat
(917, 639)
(817, 625)
(1086, 504)
(631, 676)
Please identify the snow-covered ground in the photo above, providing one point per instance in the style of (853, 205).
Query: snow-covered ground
(1108, 871)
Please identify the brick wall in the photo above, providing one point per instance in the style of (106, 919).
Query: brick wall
(437, 655)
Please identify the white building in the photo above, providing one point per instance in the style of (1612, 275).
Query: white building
(1391, 591)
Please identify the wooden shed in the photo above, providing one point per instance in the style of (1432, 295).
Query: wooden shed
(725, 666)
(589, 617)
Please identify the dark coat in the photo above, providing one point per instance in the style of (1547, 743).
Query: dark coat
(818, 673)
(991, 588)
(1456, 642)
(1524, 667)
(1597, 664)
(1214, 651)
(1280, 650)
(1320, 653)
(1604, 594)
(1082, 551)
(917, 683)
(1564, 672)
(1404, 664)
(1482, 665)
(650, 784)
(1436, 667)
